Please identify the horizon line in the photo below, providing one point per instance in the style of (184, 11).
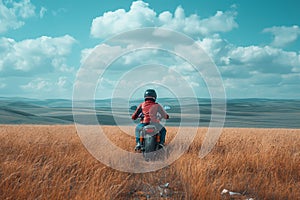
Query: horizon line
(134, 99)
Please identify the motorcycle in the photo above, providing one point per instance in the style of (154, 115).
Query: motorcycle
(150, 140)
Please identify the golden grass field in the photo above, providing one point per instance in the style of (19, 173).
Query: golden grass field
(50, 162)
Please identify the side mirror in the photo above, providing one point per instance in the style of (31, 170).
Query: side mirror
(167, 107)
(133, 107)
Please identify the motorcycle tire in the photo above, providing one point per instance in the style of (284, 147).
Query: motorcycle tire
(150, 146)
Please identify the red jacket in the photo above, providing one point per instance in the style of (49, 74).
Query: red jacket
(149, 109)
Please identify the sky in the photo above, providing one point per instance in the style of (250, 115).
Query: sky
(44, 44)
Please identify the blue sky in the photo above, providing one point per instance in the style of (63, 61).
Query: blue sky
(254, 44)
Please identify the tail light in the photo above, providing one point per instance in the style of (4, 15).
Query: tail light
(158, 138)
(149, 130)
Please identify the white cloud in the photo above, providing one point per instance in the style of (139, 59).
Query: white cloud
(43, 10)
(112, 22)
(85, 54)
(141, 15)
(46, 87)
(265, 59)
(148, 76)
(217, 48)
(59, 11)
(13, 13)
(241, 67)
(38, 84)
(264, 86)
(247, 71)
(241, 61)
(63, 82)
(24, 9)
(283, 35)
(8, 19)
(33, 56)
(101, 53)
(195, 26)
(132, 70)
(255, 71)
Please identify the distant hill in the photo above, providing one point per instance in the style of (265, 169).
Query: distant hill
(272, 113)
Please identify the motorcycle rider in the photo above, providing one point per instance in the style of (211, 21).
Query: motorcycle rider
(148, 111)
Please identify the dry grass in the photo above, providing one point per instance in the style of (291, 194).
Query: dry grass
(49, 162)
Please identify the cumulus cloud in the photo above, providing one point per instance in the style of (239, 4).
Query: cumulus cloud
(153, 76)
(283, 35)
(266, 71)
(217, 48)
(12, 14)
(141, 15)
(240, 66)
(195, 26)
(38, 84)
(264, 85)
(255, 67)
(265, 59)
(46, 87)
(242, 61)
(34, 56)
(24, 9)
(102, 52)
(137, 68)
